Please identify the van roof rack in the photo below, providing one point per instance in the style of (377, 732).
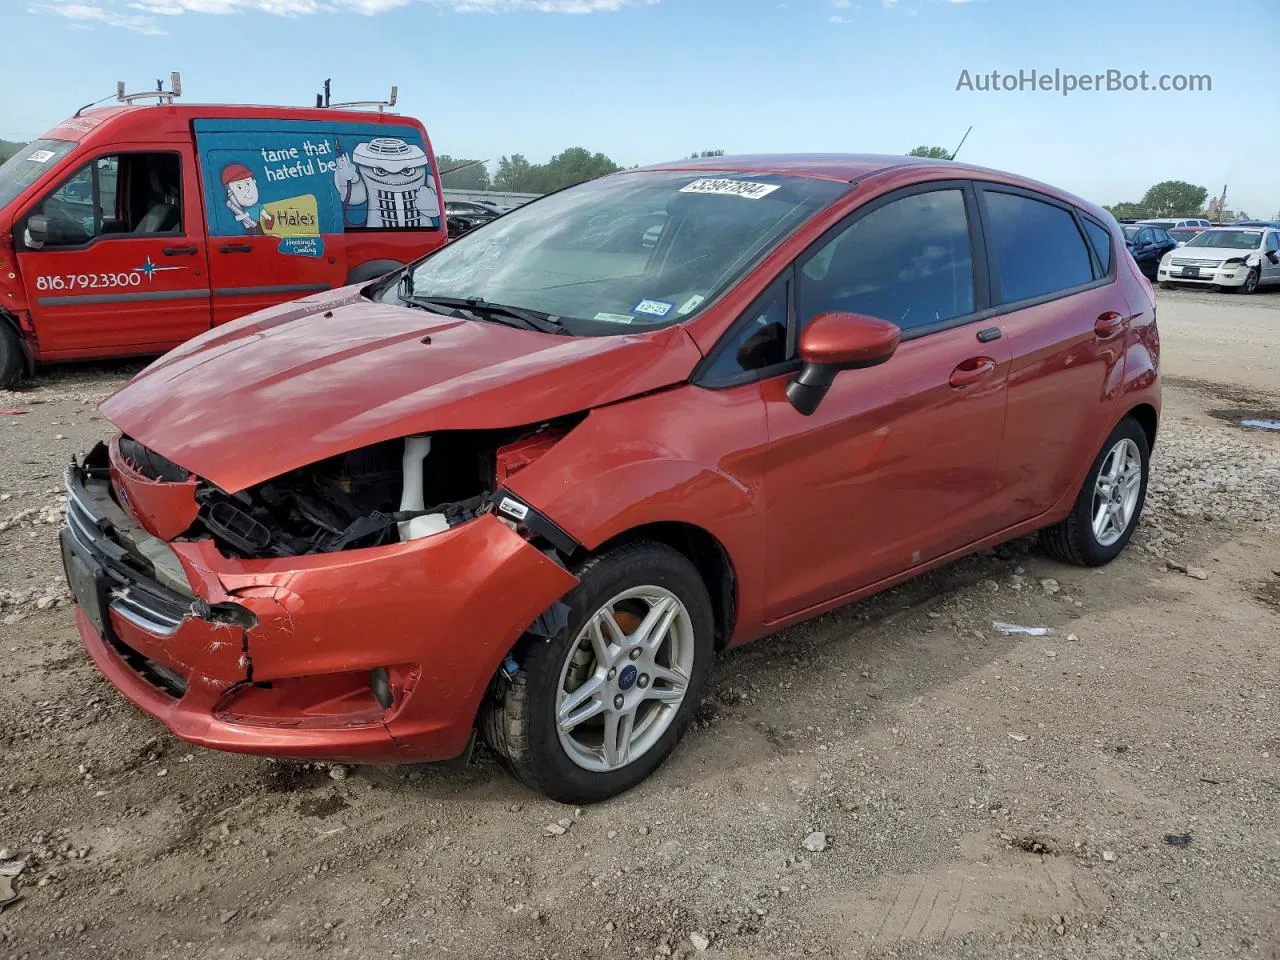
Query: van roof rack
(159, 94)
(323, 101)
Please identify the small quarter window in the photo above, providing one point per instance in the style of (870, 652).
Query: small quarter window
(1100, 238)
(757, 341)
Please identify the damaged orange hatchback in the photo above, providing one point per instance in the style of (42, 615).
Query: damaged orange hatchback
(527, 487)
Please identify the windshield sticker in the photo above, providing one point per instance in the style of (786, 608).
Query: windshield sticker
(731, 188)
(653, 308)
(40, 156)
(692, 303)
(614, 318)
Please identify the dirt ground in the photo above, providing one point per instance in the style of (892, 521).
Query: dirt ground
(1109, 790)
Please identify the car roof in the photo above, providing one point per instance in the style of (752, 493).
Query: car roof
(854, 167)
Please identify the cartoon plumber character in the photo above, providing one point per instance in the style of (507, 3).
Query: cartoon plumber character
(385, 183)
(242, 198)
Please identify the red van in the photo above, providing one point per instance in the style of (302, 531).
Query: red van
(131, 228)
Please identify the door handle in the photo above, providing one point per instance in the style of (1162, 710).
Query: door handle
(1108, 324)
(180, 251)
(972, 370)
(235, 248)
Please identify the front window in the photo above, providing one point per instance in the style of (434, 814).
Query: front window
(1228, 239)
(624, 253)
(27, 166)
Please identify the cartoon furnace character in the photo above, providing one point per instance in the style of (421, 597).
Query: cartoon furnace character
(242, 198)
(384, 183)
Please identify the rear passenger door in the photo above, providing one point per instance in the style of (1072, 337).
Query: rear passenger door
(1053, 282)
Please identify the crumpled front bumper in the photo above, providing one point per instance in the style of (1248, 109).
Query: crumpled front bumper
(276, 657)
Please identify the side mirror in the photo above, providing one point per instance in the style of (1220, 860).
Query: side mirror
(37, 231)
(1273, 256)
(832, 342)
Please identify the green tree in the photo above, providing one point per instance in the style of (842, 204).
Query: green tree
(574, 165)
(703, 154)
(8, 148)
(514, 174)
(933, 153)
(1174, 198)
(472, 175)
(1127, 211)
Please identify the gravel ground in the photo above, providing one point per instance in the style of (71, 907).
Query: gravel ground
(893, 779)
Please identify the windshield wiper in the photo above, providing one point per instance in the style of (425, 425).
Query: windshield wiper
(528, 319)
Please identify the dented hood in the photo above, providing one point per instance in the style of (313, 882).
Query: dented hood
(295, 384)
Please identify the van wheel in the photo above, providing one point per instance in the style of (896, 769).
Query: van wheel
(11, 357)
(593, 711)
(1109, 504)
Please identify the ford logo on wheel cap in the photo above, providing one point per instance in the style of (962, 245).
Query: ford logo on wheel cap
(627, 678)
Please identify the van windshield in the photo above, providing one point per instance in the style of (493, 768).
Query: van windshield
(26, 166)
(625, 253)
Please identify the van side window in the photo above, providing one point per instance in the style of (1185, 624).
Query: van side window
(134, 194)
(1100, 237)
(908, 261)
(1035, 247)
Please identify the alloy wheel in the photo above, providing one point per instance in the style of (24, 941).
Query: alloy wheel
(624, 678)
(1115, 493)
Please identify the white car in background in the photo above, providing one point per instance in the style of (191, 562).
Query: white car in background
(1175, 223)
(1233, 258)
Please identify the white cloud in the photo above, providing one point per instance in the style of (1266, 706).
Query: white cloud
(143, 16)
(834, 18)
(841, 4)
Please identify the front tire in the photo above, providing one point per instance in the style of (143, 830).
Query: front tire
(597, 708)
(1250, 282)
(11, 356)
(1109, 504)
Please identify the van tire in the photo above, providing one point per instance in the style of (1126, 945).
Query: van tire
(12, 358)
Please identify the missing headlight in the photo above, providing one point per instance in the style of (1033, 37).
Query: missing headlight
(402, 489)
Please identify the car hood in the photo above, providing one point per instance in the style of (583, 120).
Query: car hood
(295, 384)
(1214, 253)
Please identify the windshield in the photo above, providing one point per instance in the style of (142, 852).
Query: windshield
(1233, 239)
(26, 166)
(1131, 231)
(1162, 224)
(1183, 233)
(628, 252)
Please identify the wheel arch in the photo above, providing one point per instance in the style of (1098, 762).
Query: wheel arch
(706, 553)
(1148, 419)
(371, 270)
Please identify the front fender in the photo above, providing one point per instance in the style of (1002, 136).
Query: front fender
(662, 458)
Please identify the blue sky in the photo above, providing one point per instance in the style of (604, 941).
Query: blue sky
(649, 80)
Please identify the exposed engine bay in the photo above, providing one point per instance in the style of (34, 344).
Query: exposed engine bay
(398, 490)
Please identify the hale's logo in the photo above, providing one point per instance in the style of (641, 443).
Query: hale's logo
(149, 269)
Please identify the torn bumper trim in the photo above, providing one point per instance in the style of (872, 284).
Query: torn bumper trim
(292, 676)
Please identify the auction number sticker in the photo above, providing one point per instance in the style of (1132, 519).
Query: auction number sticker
(747, 189)
(88, 281)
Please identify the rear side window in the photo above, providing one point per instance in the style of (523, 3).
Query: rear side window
(1100, 238)
(908, 261)
(1035, 247)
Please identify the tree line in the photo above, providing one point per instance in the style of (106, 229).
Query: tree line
(518, 175)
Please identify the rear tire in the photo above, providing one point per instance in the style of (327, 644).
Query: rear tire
(530, 722)
(12, 359)
(1106, 512)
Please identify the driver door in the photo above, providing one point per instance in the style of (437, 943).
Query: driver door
(121, 265)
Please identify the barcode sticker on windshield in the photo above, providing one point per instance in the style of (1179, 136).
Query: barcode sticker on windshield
(614, 318)
(731, 188)
(40, 156)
